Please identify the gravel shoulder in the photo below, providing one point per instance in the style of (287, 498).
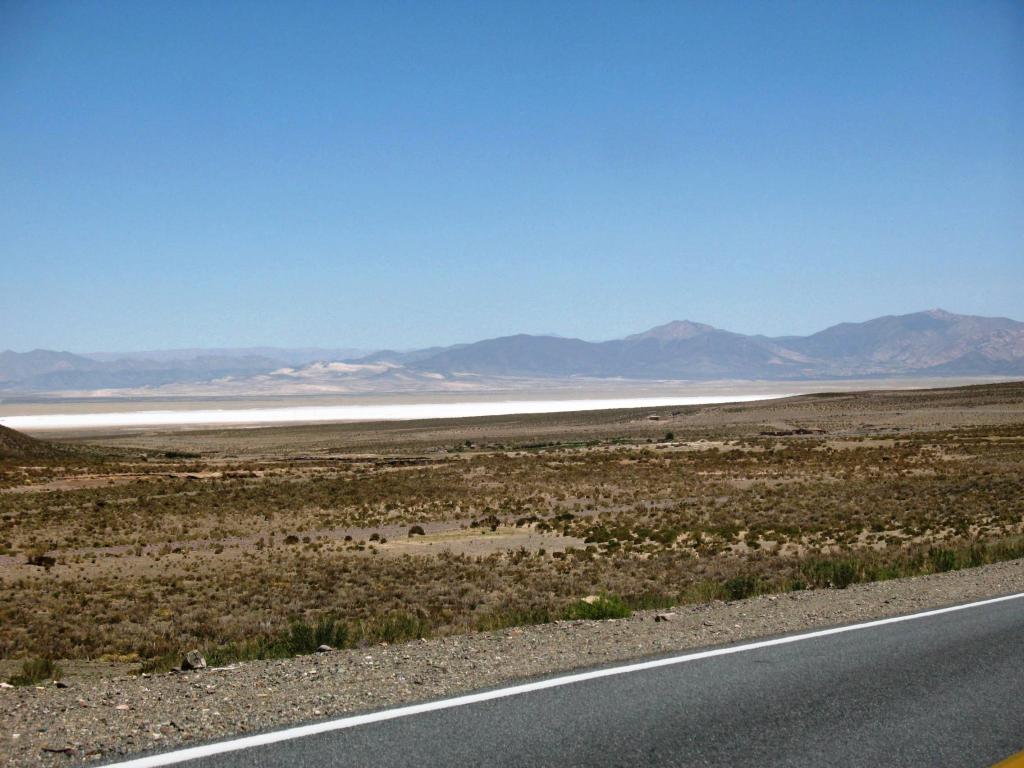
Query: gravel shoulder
(108, 718)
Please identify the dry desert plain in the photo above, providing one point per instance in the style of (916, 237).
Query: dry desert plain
(119, 551)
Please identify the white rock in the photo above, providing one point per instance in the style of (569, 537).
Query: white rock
(193, 660)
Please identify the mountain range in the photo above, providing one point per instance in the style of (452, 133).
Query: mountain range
(921, 344)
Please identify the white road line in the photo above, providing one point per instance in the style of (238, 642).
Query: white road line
(247, 742)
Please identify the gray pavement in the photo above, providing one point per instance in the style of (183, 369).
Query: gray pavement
(945, 690)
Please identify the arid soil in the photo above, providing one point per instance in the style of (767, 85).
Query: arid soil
(489, 538)
(130, 548)
(96, 719)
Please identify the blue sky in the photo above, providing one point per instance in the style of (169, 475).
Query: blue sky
(405, 174)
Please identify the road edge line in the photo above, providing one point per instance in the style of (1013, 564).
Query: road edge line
(352, 721)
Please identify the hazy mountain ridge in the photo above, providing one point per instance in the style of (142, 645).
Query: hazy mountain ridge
(922, 343)
(915, 342)
(44, 370)
(280, 355)
(932, 343)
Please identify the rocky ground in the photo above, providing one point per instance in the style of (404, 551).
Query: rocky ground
(107, 718)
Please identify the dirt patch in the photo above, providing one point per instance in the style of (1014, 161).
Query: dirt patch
(474, 542)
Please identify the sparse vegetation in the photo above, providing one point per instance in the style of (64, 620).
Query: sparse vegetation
(266, 543)
(35, 671)
(603, 607)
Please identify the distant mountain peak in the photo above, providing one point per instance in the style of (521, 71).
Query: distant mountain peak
(932, 342)
(673, 331)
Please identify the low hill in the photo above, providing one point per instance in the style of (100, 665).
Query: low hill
(15, 445)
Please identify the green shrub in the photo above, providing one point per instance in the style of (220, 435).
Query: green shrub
(652, 601)
(604, 607)
(35, 671)
(665, 536)
(392, 628)
(838, 574)
(942, 560)
(742, 587)
(503, 619)
(306, 638)
(244, 650)
(704, 591)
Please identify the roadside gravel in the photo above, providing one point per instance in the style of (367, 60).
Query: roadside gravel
(104, 719)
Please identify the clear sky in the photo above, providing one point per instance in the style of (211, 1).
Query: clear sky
(403, 174)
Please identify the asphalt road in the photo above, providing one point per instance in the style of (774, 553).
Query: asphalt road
(945, 690)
